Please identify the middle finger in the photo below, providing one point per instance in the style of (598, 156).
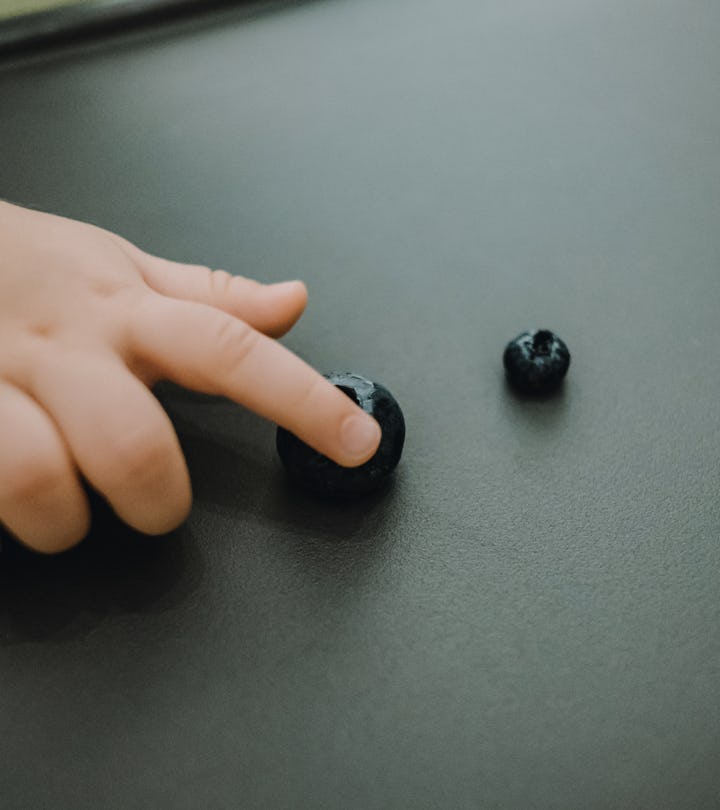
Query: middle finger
(120, 436)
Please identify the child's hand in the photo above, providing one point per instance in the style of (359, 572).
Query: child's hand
(87, 323)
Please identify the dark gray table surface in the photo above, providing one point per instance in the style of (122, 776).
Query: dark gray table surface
(530, 617)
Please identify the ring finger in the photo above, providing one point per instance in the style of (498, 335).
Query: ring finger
(41, 500)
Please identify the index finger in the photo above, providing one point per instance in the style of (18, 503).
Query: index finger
(202, 348)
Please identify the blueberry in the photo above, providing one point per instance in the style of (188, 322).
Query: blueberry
(536, 362)
(318, 474)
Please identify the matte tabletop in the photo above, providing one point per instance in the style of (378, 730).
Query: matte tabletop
(530, 616)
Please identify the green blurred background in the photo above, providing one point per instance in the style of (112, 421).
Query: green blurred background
(13, 8)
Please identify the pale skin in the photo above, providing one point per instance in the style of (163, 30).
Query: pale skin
(88, 323)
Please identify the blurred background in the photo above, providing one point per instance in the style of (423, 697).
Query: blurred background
(28, 24)
(15, 8)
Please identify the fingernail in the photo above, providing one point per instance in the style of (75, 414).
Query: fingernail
(360, 435)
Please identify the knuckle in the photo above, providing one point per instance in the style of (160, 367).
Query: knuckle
(224, 285)
(235, 342)
(219, 281)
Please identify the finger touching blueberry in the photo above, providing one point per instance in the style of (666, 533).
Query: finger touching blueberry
(320, 475)
(207, 350)
(88, 323)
